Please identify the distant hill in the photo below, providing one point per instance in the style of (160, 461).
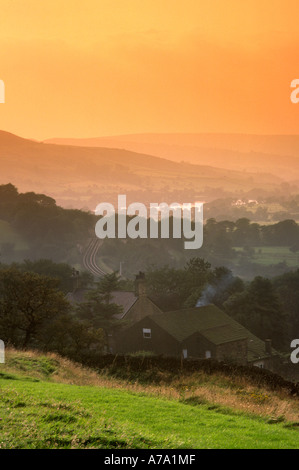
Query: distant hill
(233, 151)
(84, 176)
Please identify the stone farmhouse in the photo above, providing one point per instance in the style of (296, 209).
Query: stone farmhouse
(199, 332)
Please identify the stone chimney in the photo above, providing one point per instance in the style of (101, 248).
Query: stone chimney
(140, 285)
(268, 346)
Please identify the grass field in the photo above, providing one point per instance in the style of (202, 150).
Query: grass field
(43, 405)
(267, 255)
(45, 414)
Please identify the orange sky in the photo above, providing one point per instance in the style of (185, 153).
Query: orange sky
(107, 67)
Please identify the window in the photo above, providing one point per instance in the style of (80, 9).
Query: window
(147, 333)
(185, 353)
(208, 354)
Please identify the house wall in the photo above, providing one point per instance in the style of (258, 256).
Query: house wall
(197, 345)
(234, 350)
(141, 309)
(132, 340)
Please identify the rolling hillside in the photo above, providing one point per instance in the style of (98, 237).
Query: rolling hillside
(50, 402)
(84, 176)
(278, 155)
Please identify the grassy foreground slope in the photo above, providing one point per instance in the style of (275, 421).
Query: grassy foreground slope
(43, 405)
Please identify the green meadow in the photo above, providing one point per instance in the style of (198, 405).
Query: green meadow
(39, 413)
(268, 255)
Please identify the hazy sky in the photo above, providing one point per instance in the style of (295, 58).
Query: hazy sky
(104, 67)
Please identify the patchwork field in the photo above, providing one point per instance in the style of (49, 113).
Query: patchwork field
(267, 255)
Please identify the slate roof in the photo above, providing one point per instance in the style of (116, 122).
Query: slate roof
(256, 348)
(213, 324)
(125, 299)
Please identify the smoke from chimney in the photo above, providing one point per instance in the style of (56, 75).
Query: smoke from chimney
(211, 291)
(207, 296)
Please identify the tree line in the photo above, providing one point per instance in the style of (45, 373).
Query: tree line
(61, 234)
(35, 312)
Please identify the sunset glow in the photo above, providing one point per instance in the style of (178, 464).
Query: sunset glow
(125, 66)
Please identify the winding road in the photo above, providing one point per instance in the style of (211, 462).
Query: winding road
(89, 258)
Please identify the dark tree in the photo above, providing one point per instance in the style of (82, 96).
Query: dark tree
(259, 309)
(28, 302)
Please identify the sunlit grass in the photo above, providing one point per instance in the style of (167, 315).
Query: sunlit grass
(46, 414)
(47, 401)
